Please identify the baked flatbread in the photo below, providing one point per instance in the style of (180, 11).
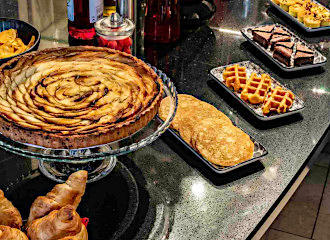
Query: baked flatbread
(185, 103)
(193, 116)
(222, 144)
(208, 131)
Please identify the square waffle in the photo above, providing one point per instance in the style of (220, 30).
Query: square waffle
(256, 89)
(248, 97)
(279, 100)
(235, 77)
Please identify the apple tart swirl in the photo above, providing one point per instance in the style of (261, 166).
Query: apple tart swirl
(76, 97)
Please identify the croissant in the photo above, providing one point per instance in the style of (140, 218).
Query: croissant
(83, 235)
(64, 223)
(9, 215)
(68, 193)
(8, 233)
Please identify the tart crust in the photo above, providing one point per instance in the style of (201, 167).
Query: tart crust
(58, 140)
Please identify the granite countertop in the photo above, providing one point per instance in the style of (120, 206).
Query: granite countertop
(196, 203)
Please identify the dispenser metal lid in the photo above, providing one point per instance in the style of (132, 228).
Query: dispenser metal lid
(114, 26)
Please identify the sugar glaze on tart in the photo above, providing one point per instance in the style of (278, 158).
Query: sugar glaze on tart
(76, 97)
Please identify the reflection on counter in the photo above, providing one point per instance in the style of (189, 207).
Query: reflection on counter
(320, 91)
(162, 21)
(198, 189)
(270, 173)
(229, 31)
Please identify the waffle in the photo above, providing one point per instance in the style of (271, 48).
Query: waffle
(235, 77)
(279, 100)
(256, 89)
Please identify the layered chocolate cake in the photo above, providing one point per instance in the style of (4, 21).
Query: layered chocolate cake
(302, 58)
(262, 35)
(280, 31)
(303, 55)
(262, 38)
(303, 48)
(266, 28)
(269, 35)
(279, 38)
(285, 44)
(279, 35)
(283, 52)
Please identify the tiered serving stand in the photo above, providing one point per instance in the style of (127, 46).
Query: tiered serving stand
(99, 160)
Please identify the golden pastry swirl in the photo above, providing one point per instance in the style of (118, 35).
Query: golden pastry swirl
(70, 92)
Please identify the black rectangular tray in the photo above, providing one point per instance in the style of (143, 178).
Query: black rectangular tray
(300, 24)
(296, 107)
(259, 152)
(319, 59)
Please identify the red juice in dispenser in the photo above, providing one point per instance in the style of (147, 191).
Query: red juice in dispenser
(82, 14)
(162, 21)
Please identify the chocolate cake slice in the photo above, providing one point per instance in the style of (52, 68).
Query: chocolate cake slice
(281, 31)
(279, 38)
(266, 28)
(283, 54)
(263, 34)
(262, 38)
(304, 55)
(302, 58)
(285, 44)
(303, 48)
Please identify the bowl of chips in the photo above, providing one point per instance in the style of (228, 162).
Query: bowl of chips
(16, 38)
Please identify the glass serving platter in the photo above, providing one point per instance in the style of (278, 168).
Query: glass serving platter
(57, 164)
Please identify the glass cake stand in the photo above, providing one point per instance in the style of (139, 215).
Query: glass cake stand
(98, 160)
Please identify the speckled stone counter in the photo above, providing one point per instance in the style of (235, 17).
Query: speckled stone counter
(202, 205)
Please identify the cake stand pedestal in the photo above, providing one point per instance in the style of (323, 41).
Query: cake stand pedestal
(99, 161)
(59, 172)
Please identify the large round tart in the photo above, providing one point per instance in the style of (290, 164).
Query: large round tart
(76, 97)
